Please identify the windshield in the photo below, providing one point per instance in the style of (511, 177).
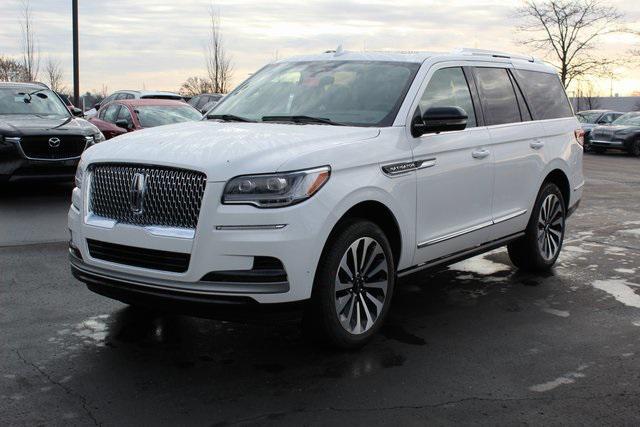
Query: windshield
(629, 119)
(158, 115)
(358, 93)
(588, 117)
(41, 102)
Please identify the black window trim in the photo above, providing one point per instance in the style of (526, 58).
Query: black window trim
(475, 94)
(522, 102)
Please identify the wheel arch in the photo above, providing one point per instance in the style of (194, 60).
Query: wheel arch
(560, 178)
(380, 214)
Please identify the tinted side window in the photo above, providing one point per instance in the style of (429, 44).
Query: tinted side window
(111, 113)
(194, 101)
(545, 94)
(448, 88)
(202, 101)
(124, 114)
(498, 98)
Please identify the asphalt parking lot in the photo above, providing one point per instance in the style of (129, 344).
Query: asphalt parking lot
(477, 343)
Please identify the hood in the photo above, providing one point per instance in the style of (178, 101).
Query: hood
(29, 124)
(223, 150)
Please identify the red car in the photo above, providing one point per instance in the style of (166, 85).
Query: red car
(122, 116)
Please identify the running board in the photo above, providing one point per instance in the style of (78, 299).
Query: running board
(460, 255)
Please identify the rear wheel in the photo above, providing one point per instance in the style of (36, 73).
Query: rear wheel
(540, 247)
(353, 286)
(634, 150)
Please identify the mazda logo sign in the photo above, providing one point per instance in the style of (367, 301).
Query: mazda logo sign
(136, 194)
(54, 142)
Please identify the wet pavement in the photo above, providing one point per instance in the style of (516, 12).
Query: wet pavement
(477, 343)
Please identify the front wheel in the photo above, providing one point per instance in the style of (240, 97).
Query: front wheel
(353, 287)
(634, 150)
(540, 247)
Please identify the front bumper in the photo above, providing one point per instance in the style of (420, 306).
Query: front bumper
(15, 166)
(202, 299)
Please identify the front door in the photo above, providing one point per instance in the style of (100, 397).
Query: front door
(455, 180)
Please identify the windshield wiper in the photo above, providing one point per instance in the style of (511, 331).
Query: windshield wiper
(228, 118)
(27, 96)
(301, 119)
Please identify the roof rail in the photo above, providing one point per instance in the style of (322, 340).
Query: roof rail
(494, 54)
(41, 84)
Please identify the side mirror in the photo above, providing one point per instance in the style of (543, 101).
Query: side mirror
(122, 123)
(439, 119)
(76, 112)
(97, 105)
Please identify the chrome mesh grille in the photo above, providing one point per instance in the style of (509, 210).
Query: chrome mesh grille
(172, 197)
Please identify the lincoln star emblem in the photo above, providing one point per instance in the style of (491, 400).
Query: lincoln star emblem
(54, 142)
(136, 195)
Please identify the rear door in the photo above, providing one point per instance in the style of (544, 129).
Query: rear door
(455, 176)
(515, 146)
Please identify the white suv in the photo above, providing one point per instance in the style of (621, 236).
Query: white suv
(322, 179)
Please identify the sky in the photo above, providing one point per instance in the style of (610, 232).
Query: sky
(158, 44)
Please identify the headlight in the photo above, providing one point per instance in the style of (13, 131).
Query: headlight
(98, 137)
(79, 175)
(275, 190)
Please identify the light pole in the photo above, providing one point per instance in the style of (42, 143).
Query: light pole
(76, 59)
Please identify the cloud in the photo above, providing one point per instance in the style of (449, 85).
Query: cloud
(161, 42)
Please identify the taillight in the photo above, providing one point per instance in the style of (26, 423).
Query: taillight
(579, 133)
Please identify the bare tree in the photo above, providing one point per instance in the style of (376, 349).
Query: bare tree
(219, 67)
(30, 48)
(569, 29)
(103, 92)
(195, 86)
(55, 75)
(586, 97)
(11, 70)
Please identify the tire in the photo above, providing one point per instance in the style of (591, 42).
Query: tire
(587, 146)
(539, 248)
(634, 149)
(348, 305)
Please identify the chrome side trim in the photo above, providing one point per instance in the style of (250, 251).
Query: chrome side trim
(471, 229)
(509, 216)
(454, 234)
(579, 186)
(396, 169)
(251, 227)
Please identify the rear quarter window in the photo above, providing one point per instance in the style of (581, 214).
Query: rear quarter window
(545, 94)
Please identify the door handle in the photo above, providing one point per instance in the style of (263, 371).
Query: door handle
(480, 154)
(536, 145)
